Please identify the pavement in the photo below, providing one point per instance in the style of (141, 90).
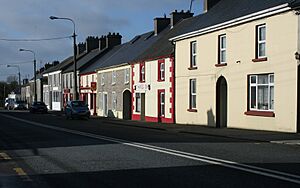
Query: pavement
(241, 134)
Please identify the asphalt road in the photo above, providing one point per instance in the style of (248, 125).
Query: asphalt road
(44, 150)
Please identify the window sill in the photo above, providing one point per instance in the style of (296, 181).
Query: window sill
(259, 59)
(260, 113)
(221, 64)
(159, 80)
(192, 68)
(142, 81)
(192, 110)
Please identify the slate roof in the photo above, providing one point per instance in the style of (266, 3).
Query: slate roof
(65, 63)
(227, 10)
(84, 61)
(124, 53)
(223, 11)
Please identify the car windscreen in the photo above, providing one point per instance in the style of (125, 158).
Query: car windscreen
(78, 104)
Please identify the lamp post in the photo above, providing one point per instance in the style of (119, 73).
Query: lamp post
(34, 69)
(75, 93)
(17, 66)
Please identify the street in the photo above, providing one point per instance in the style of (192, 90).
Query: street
(46, 150)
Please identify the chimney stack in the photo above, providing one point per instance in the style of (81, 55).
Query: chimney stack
(25, 81)
(160, 24)
(81, 48)
(178, 16)
(208, 4)
(92, 43)
(113, 40)
(102, 42)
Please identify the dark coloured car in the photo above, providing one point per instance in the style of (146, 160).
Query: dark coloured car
(77, 109)
(20, 105)
(38, 107)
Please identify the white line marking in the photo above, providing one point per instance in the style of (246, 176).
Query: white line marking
(210, 160)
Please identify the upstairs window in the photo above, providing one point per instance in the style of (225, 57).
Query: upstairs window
(161, 70)
(113, 77)
(126, 76)
(261, 41)
(142, 72)
(193, 55)
(102, 79)
(222, 49)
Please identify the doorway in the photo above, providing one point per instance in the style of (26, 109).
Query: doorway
(143, 108)
(127, 105)
(221, 103)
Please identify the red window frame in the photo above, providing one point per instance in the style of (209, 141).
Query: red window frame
(160, 62)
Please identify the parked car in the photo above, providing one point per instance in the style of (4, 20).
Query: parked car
(77, 109)
(38, 107)
(20, 105)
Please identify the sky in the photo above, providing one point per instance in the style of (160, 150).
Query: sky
(29, 19)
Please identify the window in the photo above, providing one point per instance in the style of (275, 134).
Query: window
(162, 104)
(71, 79)
(222, 49)
(193, 94)
(101, 101)
(138, 102)
(67, 81)
(93, 78)
(161, 70)
(87, 81)
(193, 54)
(142, 72)
(56, 96)
(126, 76)
(261, 92)
(261, 41)
(114, 101)
(113, 77)
(102, 79)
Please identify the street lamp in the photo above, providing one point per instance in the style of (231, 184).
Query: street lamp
(17, 66)
(34, 69)
(75, 53)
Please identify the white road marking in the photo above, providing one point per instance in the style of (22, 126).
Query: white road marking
(210, 160)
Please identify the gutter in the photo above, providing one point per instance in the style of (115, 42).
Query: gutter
(257, 15)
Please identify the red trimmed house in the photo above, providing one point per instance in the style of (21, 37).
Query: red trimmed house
(153, 87)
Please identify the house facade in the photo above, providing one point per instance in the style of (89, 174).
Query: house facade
(240, 72)
(114, 92)
(153, 88)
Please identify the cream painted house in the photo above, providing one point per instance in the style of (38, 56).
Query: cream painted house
(236, 66)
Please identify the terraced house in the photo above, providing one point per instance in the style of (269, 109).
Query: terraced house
(236, 66)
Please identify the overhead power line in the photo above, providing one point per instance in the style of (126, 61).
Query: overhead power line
(34, 40)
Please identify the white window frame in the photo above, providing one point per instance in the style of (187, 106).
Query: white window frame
(114, 101)
(193, 94)
(143, 73)
(162, 68)
(113, 77)
(102, 79)
(193, 49)
(126, 76)
(259, 41)
(222, 48)
(87, 80)
(256, 85)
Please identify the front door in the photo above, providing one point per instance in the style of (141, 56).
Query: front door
(105, 109)
(143, 107)
(127, 105)
(221, 103)
(161, 105)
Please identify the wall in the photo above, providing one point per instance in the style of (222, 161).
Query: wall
(281, 45)
(151, 94)
(119, 87)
